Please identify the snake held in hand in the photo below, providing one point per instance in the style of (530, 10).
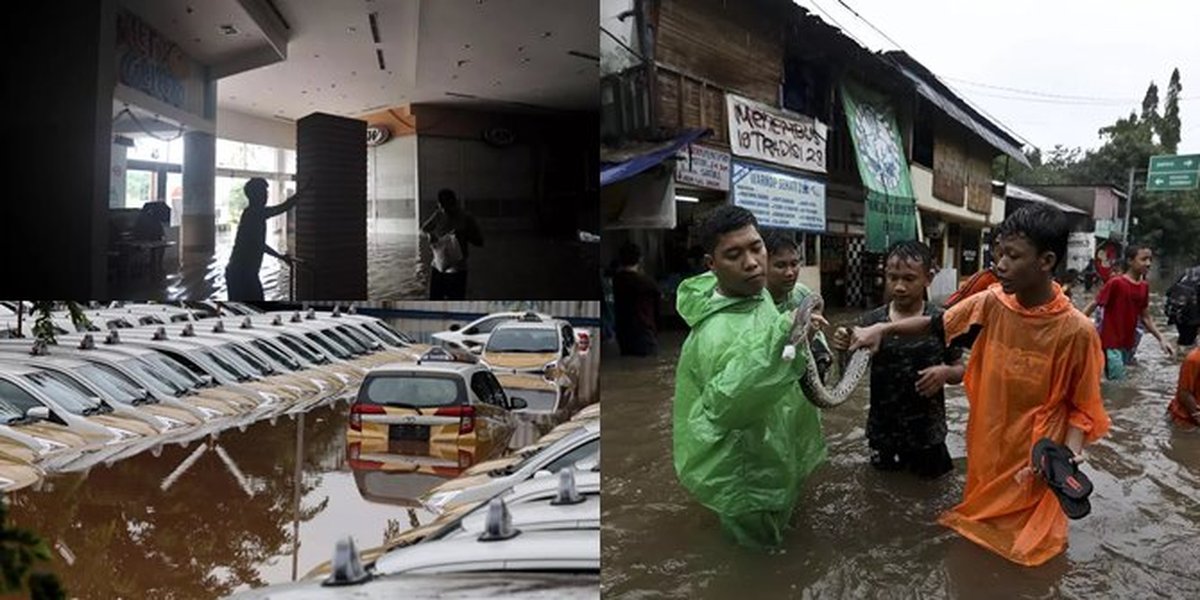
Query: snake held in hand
(846, 374)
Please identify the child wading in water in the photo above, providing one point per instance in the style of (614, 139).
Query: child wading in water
(1185, 407)
(1034, 373)
(1125, 300)
(906, 424)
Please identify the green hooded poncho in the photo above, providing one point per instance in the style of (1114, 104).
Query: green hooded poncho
(744, 436)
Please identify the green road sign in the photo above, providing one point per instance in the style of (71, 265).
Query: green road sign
(1173, 172)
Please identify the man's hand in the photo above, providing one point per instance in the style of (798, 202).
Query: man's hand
(867, 337)
(815, 324)
(932, 380)
(841, 340)
(1024, 475)
(1167, 348)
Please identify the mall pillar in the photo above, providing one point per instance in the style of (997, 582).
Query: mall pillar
(197, 238)
(58, 75)
(331, 219)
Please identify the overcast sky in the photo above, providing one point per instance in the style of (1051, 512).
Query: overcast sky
(1108, 51)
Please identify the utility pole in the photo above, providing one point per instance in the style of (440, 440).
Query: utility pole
(1128, 206)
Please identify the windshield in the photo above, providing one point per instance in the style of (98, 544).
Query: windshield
(328, 346)
(363, 339)
(248, 360)
(383, 334)
(522, 339)
(67, 396)
(301, 347)
(418, 392)
(214, 363)
(563, 456)
(14, 402)
(538, 400)
(114, 387)
(341, 338)
(156, 379)
(276, 354)
(178, 371)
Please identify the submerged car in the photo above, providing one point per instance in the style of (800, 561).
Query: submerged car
(535, 345)
(436, 400)
(474, 335)
(581, 445)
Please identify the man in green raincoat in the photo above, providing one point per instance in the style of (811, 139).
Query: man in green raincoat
(744, 436)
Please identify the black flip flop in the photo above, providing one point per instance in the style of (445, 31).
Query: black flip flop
(1053, 462)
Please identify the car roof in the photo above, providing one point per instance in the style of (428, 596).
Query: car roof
(529, 586)
(16, 368)
(564, 547)
(551, 324)
(58, 360)
(404, 368)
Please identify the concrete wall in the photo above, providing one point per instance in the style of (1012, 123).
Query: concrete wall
(241, 127)
(59, 118)
(497, 185)
(544, 180)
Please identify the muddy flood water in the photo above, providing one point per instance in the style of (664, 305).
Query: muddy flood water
(859, 533)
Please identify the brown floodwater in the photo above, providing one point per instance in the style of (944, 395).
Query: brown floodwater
(859, 533)
(211, 518)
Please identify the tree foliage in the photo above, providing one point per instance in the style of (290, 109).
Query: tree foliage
(1168, 221)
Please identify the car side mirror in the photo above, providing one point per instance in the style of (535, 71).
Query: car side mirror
(38, 412)
(518, 403)
(455, 327)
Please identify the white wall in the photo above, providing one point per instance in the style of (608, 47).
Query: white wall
(392, 187)
(241, 127)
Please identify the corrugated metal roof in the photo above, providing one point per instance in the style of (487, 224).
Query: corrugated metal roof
(956, 108)
(1020, 193)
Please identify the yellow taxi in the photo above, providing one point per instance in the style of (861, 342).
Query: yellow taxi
(533, 344)
(439, 400)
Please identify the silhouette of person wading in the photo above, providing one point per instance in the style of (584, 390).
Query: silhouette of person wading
(450, 230)
(241, 274)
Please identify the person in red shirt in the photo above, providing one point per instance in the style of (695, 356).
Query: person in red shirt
(1126, 301)
(1185, 407)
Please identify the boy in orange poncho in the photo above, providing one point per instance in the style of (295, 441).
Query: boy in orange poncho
(1034, 372)
(1185, 406)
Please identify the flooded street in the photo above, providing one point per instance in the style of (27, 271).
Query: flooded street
(861, 533)
(174, 526)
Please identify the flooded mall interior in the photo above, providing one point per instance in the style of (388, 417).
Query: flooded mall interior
(367, 108)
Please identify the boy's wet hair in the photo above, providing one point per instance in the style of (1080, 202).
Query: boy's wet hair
(1131, 252)
(778, 239)
(722, 220)
(1044, 226)
(911, 250)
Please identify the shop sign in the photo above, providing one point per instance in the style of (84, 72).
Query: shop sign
(779, 199)
(704, 167)
(377, 134)
(772, 135)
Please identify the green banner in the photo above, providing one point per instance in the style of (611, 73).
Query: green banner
(891, 214)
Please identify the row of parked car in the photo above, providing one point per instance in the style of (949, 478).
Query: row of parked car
(142, 376)
(512, 513)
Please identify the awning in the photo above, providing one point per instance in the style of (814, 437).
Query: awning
(955, 107)
(1020, 193)
(639, 160)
